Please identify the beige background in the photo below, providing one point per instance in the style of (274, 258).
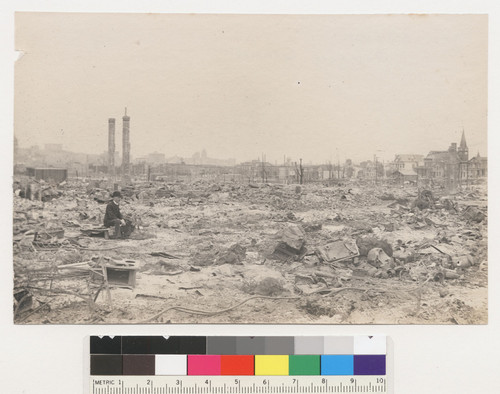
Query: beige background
(320, 87)
(441, 359)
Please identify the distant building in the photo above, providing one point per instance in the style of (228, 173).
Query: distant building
(312, 173)
(369, 170)
(203, 159)
(156, 158)
(257, 171)
(53, 175)
(477, 168)
(447, 168)
(407, 161)
(286, 174)
(405, 175)
(140, 160)
(366, 170)
(442, 166)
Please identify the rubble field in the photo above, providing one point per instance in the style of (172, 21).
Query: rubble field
(207, 252)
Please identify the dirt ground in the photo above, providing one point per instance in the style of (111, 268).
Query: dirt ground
(209, 252)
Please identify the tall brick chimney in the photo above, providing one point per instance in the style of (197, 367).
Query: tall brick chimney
(111, 147)
(126, 148)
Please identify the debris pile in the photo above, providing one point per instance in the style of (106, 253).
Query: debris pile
(251, 253)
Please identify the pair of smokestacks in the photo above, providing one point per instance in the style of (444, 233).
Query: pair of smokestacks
(126, 147)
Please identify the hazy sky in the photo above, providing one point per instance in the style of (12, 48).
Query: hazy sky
(316, 87)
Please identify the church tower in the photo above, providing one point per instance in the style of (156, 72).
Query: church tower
(463, 150)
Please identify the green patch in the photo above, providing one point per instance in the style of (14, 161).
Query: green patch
(304, 365)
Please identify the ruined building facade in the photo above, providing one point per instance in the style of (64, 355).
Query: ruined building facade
(452, 168)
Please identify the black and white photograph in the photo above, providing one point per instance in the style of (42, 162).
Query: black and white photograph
(250, 169)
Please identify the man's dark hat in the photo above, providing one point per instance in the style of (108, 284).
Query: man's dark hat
(116, 194)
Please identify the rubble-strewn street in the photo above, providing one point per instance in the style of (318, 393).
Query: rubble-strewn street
(205, 252)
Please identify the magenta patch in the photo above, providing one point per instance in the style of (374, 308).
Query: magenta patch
(204, 364)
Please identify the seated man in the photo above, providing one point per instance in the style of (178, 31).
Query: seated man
(113, 216)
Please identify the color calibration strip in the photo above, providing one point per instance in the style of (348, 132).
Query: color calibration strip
(237, 356)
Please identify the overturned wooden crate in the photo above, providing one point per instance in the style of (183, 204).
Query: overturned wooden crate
(121, 273)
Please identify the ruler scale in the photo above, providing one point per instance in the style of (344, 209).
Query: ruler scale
(238, 365)
(240, 385)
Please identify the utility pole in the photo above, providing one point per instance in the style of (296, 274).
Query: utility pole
(300, 172)
(338, 164)
(263, 170)
(376, 167)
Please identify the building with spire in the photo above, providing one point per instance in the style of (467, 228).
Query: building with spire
(452, 167)
(463, 155)
(463, 150)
